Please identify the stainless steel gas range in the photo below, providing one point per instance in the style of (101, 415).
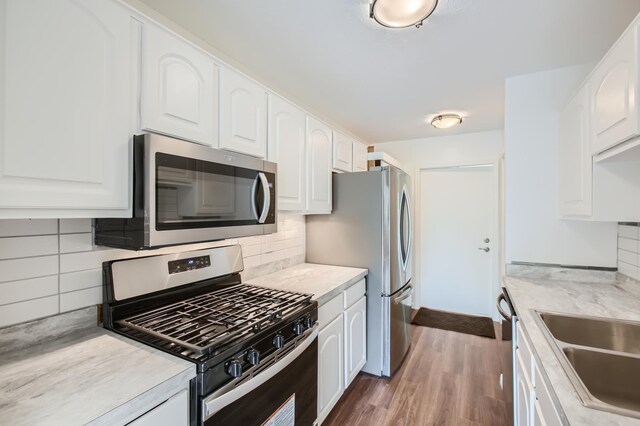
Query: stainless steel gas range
(255, 348)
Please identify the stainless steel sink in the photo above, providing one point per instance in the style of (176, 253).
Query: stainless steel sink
(600, 356)
(614, 335)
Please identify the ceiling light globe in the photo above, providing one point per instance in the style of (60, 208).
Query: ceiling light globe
(445, 121)
(402, 13)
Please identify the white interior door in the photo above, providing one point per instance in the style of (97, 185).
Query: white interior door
(457, 216)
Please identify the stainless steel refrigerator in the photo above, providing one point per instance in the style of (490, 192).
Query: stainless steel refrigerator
(370, 227)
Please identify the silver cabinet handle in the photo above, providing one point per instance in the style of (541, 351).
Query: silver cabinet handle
(485, 249)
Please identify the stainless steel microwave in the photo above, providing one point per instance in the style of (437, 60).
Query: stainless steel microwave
(186, 193)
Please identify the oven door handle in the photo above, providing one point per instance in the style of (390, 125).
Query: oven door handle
(215, 403)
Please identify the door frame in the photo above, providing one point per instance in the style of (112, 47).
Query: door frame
(496, 274)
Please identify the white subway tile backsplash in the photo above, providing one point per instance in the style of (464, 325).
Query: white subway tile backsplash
(23, 227)
(15, 247)
(18, 291)
(68, 226)
(70, 243)
(32, 267)
(80, 280)
(629, 250)
(16, 313)
(628, 244)
(628, 257)
(628, 270)
(628, 231)
(51, 266)
(80, 299)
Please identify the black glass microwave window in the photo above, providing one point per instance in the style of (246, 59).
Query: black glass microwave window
(194, 193)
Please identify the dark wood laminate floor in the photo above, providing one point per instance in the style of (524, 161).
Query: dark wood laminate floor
(447, 378)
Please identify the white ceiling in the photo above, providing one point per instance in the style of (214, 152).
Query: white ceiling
(380, 84)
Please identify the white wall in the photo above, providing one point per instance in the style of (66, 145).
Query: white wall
(453, 149)
(534, 232)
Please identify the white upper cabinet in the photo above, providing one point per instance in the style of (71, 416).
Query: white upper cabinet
(342, 152)
(287, 148)
(575, 161)
(319, 162)
(359, 157)
(613, 94)
(243, 114)
(67, 107)
(179, 88)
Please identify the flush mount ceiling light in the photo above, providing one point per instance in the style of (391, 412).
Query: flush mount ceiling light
(444, 121)
(401, 13)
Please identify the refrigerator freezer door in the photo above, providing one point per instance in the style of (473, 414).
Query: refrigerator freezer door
(399, 338)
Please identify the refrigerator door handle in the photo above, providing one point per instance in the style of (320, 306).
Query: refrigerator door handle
(405, 246)
(403, 296)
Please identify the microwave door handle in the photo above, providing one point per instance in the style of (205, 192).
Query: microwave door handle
(266, 203)
(254, 189)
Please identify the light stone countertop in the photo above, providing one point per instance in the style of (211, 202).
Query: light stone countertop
(582, 292)
(323, 281)
(92, 377)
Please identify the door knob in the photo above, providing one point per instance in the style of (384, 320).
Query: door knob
(486, 240)
(486, 249)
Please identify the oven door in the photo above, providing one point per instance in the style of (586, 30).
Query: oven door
(283, 394)
(194, 193)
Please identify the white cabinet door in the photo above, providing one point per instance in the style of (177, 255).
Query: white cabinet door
(172, 412)
(342, 152)
(243, 114)
(575, 160)
(330, 367)
(538, 416)
(319, 161)
(614, 103)
(287, 148)
(525, 394)
(355, 339)
(179, 88)
(359, 157)
(66, 96)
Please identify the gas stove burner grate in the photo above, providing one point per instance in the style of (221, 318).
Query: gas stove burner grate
(214, 319)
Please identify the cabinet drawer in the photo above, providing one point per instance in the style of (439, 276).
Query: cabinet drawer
(330, 311)
(172, 412)
(524, 351)
(354, 293)
(548, 410)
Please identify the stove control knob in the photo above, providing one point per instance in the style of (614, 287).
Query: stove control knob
(253, 356)
(308, 322)
(278, 341)
(298, 328)
(233, 368)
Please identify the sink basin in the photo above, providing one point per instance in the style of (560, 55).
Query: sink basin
(601, 358)
(613, 379)
(613, 335)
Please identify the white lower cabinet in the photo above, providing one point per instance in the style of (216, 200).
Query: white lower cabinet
(342, 345)
(172, 412)
(532, 403)
(355, 339)
(330, 371)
